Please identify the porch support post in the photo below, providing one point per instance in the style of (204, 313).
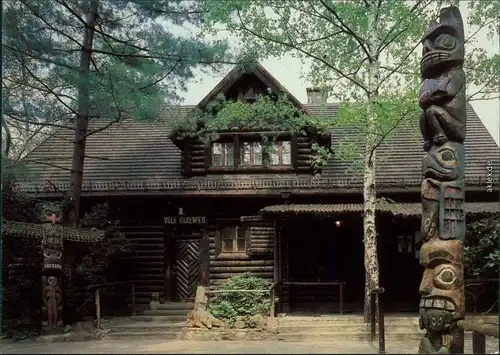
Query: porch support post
(168, 264)
(205, 258)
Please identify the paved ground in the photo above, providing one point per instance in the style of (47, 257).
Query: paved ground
(215, 347)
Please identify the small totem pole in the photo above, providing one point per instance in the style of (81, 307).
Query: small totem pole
(52, 234)
(443, 126)
(52, 248)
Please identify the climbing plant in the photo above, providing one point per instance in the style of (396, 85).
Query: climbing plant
(270, 112)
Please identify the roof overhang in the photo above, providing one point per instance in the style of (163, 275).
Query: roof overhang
(412, 209)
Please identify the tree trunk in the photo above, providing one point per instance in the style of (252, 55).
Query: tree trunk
(369, 191)
(82, 120)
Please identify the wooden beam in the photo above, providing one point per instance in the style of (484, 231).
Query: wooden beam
(205, 258)
(168, 264)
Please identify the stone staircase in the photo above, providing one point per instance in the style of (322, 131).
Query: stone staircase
(165, 322)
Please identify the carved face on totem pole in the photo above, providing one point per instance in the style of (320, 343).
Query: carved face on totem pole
(445, 162)
(52, 258)
(443, 43)
(442, 283)
(50, 212)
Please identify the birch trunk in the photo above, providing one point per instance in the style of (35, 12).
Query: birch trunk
(82, 121)
(369, 192)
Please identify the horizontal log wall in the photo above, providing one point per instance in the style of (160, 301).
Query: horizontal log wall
(222, 268)
(194, 158)
(147, 260)
(303, 154)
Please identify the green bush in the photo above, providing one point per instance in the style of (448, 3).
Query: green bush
(482, 261)
(231, 306)
(481, 251)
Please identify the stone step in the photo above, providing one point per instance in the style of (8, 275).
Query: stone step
(166, 312)
(137, 327)
(363, 336)
(159, 318)
(344, 320)
(141, 335)
(343, 328)
(185, 306)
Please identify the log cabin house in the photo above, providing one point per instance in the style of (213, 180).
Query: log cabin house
(200, 213)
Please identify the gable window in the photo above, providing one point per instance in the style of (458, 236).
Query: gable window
(222, 154)
(251, 154)
(280, 153)
(233, 239)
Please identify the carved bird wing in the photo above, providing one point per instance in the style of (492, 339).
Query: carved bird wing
(83, 235)
(23, 229)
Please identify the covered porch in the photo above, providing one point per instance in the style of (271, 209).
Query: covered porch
(318, 255)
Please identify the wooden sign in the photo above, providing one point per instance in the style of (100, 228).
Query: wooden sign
(184, 220)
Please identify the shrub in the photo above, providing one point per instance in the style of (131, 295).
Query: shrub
(481, 252)
(482, 261)
(231, 306)
(94, 263)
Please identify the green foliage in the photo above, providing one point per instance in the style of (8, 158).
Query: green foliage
(482, 248)
(21, 260)
(238, 305)
(272, 113)
(360, 51)
(138, 61)
(95, 263)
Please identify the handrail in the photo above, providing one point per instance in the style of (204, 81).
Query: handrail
(479, 332)
(381, 325)
(98, 288)
(272, 294)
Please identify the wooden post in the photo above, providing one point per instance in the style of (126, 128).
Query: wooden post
(373, 315)
(478, 343)
(98, 307)
(341, 298)
(271, 296)
(133, 299)
(381, 327)
(280, 271)
(168, 246)
(205, 258)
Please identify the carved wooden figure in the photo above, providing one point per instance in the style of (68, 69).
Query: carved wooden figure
(443, 128)
(52, 302)
(52, 234)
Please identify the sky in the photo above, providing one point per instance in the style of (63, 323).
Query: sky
(289, 72)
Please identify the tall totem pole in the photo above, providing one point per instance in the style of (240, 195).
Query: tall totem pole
(443, 126)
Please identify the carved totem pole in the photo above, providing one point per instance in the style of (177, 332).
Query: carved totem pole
(52, 271)
(443, 126)
(52, 234)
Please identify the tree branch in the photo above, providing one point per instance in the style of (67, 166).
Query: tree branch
(360, 41)
(292, 46)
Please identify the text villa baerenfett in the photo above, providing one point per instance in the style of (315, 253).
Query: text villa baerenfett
(489, 176)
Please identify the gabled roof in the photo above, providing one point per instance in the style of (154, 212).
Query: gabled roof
(138, 156)
(261, 73)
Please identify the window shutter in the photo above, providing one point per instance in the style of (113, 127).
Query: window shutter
(260, 235)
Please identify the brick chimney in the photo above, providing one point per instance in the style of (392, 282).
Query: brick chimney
(315, 96)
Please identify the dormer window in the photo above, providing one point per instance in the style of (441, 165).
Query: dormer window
(251, 154)
(223, 154)
(280, 153)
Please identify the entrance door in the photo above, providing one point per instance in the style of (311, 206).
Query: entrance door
(186, 268)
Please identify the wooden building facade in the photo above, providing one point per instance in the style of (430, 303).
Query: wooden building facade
(199, 213)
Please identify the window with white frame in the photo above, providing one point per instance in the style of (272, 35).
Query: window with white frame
(280, 153)
(233, 239)
(251, 154)
(223, 154)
